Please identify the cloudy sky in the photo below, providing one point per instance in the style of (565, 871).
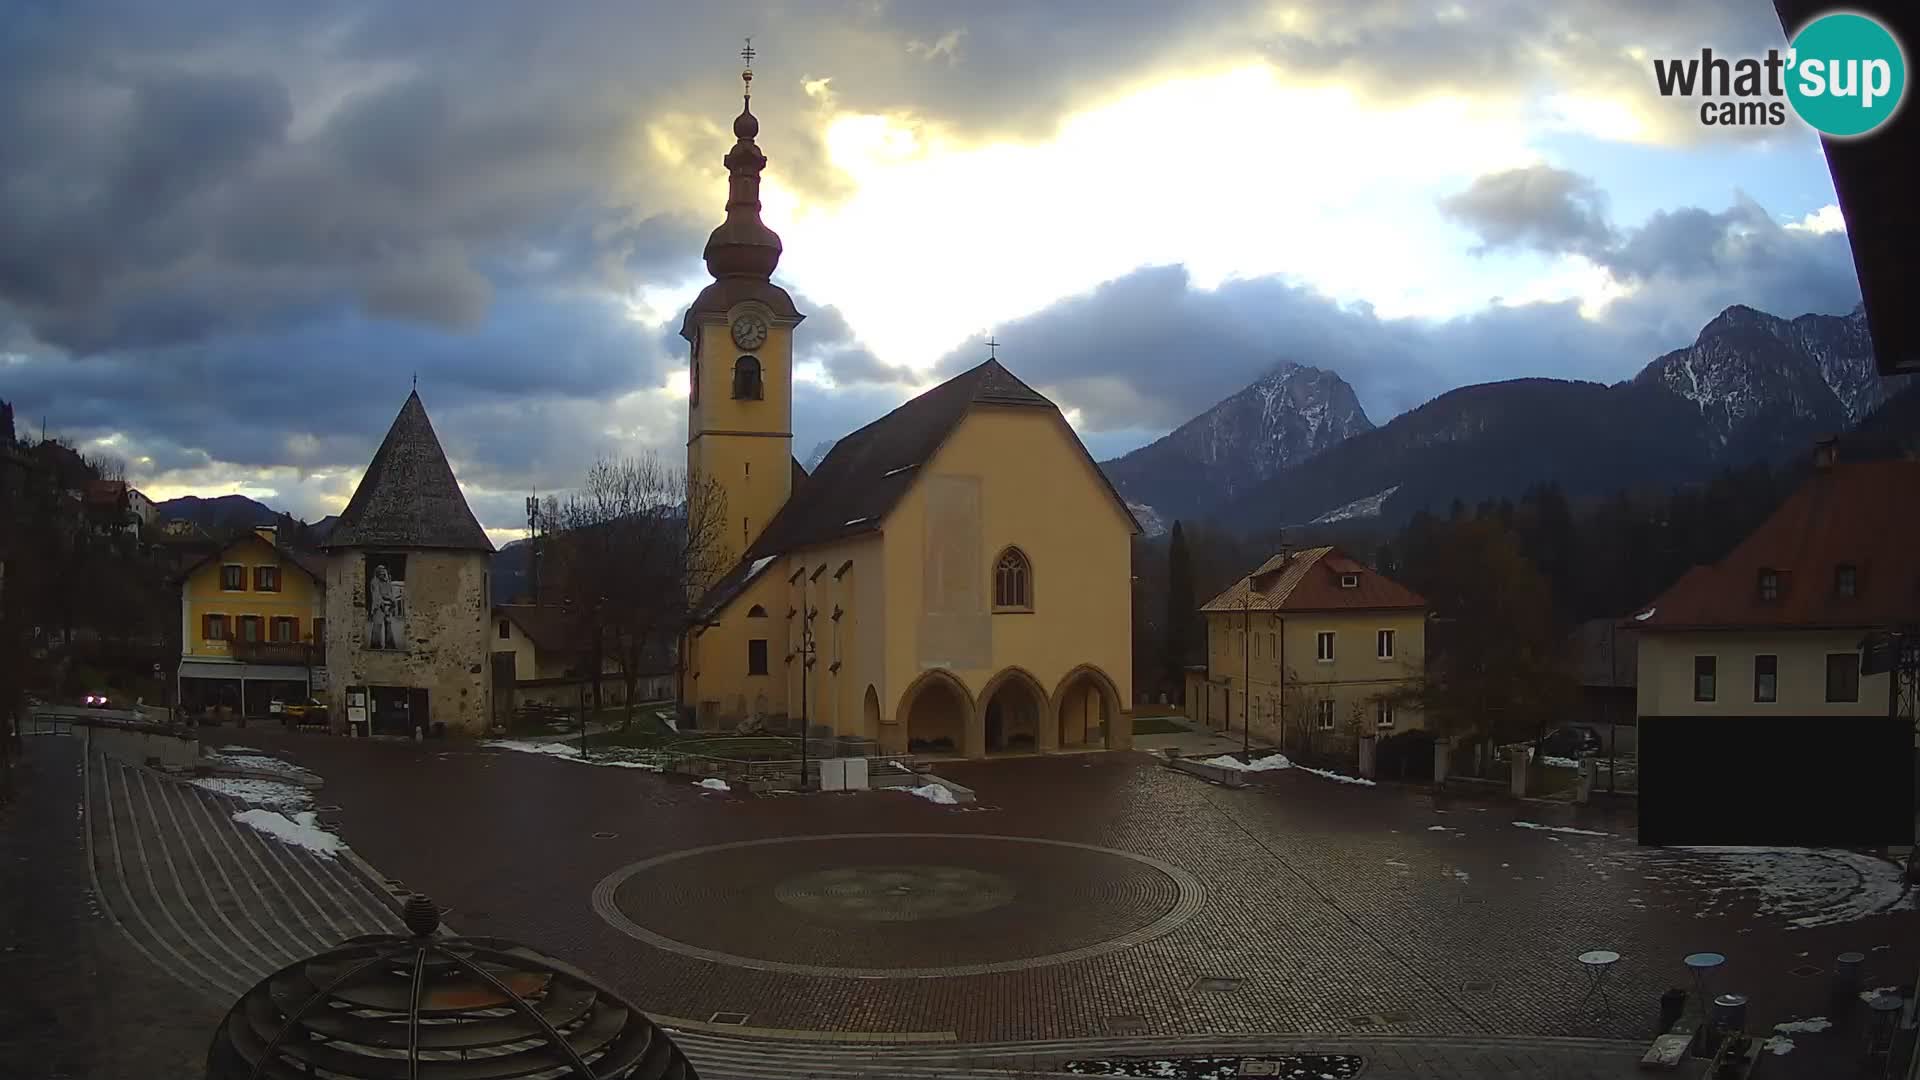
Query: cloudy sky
(232, 232)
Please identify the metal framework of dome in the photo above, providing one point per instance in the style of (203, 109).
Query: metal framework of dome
(429, 1007)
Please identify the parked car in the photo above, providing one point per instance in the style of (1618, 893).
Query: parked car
(95, 701)
(293, 714)
(1569, 742)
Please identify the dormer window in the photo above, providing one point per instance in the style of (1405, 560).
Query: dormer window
(1769, 586)
(746, 379)
(1846, 580)
(1349, 581)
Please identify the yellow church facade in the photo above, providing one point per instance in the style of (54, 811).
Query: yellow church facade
(954, 577)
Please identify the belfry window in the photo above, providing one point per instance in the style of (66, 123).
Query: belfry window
(746, 379)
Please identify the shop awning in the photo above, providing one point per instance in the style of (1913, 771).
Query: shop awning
(214, 669)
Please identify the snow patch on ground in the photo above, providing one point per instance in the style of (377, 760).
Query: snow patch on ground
(935, 793)
(256, 761)
(1569, 830)
(1794, 1027)
(239, 750)
(1777, 1045)
(1805, 886)
(1438, 828)
(714, 783)
(1560, 762)
(1868, 995)
(613, 757)
(262, 792)
(301, 830)
(1279, 761)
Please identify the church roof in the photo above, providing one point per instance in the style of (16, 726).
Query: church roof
(865, 475)
(408, 497)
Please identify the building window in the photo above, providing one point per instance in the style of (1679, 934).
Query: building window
(746, 379)
(1769, 586)
(1323, 646)
(286, 629)
(1273, 645)
(249, 628)
(1383, 714)
(1323, 715)
(266, 579)
(1349, 581)
(213, 627)
(1843, 676)
(1383, 644)
(1766, 678)
(1013, 581)
(1846, 580)
(1703, 667)
(320, 632)
(756, 612)
(233, 578)
(757, 656)
(506, 631)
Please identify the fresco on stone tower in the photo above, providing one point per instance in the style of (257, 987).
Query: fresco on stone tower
(387, 602)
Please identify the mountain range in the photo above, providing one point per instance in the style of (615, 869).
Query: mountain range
(1295, 448)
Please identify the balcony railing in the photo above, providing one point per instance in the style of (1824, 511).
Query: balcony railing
(278, 652)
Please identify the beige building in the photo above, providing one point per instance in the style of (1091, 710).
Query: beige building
(407, 593)
(953, 577)
(537, 660)
(1774, 629)
(1308, 650)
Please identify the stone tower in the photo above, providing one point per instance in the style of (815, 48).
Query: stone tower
(408, 593)
(740, 374)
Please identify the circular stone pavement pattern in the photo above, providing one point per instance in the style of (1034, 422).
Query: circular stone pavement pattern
(897, 905)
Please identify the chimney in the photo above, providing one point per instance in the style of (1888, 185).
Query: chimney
(269, 533)
(1825, 453)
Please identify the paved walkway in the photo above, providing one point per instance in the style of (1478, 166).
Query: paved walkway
(1430, 937)
(1194, 740)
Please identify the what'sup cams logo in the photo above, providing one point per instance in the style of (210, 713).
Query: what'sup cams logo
(1844, 74)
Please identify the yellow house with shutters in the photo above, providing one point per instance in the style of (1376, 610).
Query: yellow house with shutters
(954, 577)
(252, 628)
(1312, 649)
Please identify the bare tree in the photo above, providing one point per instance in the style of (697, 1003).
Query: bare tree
(628, 553)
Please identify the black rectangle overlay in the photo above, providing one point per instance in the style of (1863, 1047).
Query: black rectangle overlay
(1777, 781)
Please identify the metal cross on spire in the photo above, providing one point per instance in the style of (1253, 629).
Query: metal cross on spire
(992, 348)
(746, 73)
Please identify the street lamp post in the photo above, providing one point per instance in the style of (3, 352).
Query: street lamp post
(806, 661)
(1246, 672)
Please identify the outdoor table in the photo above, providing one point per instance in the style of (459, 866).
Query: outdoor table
(1884, 1023)
(1701, 966)
(1596, 963)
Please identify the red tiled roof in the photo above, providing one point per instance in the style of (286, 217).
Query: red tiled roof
(1309, 580)
(1866, 515)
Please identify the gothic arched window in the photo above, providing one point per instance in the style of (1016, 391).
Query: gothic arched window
(1013, 581)
(756, 612)
(746, 379)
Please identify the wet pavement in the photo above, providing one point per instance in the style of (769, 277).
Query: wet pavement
(1085, 902)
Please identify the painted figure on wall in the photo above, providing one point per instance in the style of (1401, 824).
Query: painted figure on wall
(386, 601)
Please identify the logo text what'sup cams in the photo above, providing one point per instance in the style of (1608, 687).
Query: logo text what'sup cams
(1843, 74)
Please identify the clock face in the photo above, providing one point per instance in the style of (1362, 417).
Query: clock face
(749, 331)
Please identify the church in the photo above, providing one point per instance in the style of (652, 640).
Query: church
(955, 577)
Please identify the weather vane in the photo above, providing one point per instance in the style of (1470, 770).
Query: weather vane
(746, 74)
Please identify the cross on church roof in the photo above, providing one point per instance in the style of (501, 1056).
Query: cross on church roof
(992, 348)
(746, 74)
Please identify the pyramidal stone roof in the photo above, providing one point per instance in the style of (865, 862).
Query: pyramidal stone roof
(408, 497)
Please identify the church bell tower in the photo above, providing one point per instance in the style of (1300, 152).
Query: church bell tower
(740, 335)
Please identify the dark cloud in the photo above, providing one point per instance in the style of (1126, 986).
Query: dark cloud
(1148, 351)
(1538, 207)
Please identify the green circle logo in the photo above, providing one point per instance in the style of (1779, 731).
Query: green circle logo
(1846, 74)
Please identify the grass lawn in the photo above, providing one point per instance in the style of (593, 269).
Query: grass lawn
(1156, 725)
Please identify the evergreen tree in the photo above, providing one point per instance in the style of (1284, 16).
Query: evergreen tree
(1180, 609)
